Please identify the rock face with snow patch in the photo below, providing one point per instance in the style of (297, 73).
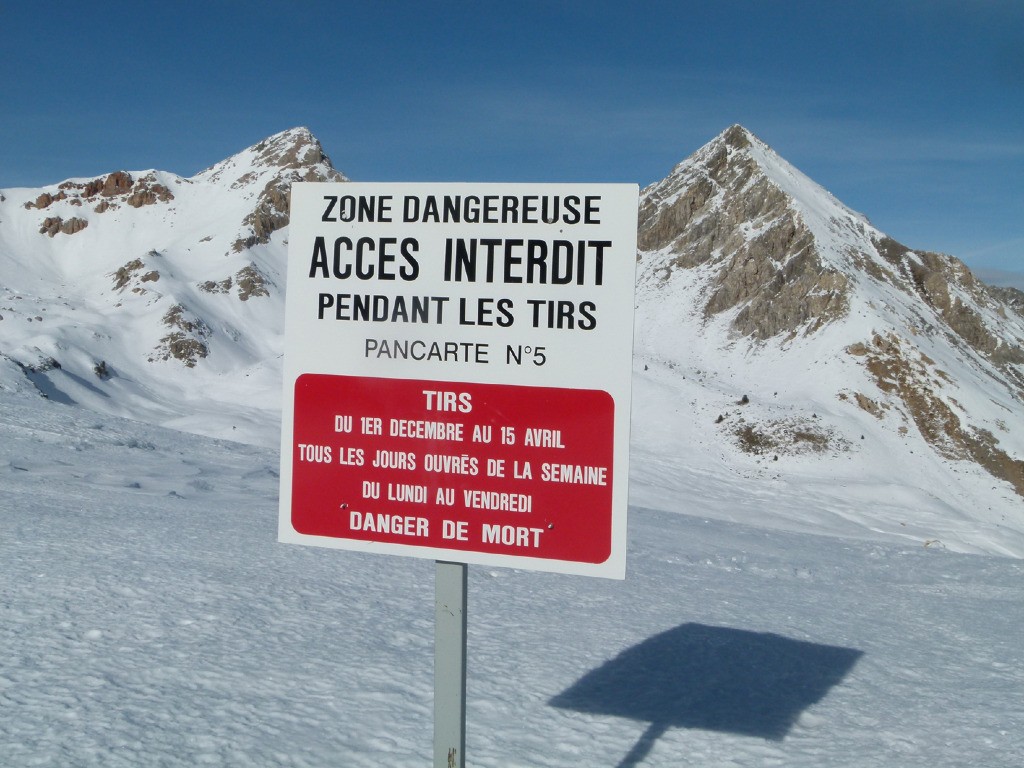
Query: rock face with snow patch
(739, 250)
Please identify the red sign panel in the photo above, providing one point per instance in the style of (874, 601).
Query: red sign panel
(489, 468)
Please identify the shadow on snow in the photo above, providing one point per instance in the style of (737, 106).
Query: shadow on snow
(712, 678)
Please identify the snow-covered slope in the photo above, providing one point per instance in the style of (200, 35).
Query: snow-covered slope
(153, 296)
(149, 618)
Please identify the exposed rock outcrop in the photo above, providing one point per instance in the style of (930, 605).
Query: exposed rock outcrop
(186, 340)
(55, 224)
(147, 191)
(131, 274)
(103, 194)
(903, 371)
(251, 282)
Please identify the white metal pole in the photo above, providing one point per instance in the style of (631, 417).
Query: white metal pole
(450, 582)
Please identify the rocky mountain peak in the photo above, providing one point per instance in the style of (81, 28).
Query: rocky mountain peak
(267, 170)
(737, 137)
(723, 210)
(294, 149)
(294, 153)
(765, 258)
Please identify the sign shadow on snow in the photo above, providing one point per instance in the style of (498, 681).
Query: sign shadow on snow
(712, 678)
(48, 383)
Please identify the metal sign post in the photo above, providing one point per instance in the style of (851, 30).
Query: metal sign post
(457, 379)
(450, 664)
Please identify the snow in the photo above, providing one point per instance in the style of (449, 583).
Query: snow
(858, 606)
(148, 617)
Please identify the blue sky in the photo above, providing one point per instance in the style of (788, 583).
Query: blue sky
(909, 112)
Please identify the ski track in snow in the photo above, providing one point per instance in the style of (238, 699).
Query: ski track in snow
(148, 617)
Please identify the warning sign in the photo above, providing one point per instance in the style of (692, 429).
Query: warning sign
(457, 372)
(493, 468)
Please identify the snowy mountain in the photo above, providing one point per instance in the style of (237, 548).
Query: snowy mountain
(153, 296)
(810, 341)
(797, 349)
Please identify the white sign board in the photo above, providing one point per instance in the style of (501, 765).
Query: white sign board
(457, 372)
